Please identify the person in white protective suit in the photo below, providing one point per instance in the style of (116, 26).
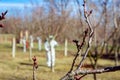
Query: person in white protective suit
(31, 41)
(50, 51)
(24, 44)
(47, 48)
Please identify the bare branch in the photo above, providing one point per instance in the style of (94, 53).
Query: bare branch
(78, 48)
(97, 71)
(2, 16)
(86, 15)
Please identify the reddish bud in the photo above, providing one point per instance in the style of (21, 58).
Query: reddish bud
(35, 63)
(0, 17)
(36, 66)
(34, 58)
(77, 77)
(1, 26)
(3, 15)
(76, 41)
(83, 5)
(91, 11)
(86, 31)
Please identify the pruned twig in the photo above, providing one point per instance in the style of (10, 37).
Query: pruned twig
(2, 16)
(35, 66)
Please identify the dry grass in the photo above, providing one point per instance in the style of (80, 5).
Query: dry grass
(20, 68)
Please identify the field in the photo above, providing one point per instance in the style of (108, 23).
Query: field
(20, 67)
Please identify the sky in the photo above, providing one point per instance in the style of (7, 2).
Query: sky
(17, 3)
(19, 6)
(14, 6)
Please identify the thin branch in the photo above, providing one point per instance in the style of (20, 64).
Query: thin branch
(79, 47)
(2, 16)
(78, 77)
(96, 71)
(80, 13)
(115, 28)
(86, 15)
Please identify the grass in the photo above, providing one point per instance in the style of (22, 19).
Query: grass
(20, 67)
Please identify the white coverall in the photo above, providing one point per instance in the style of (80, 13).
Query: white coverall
(24, 45)
(50, 50)
(31, 41)
(39, 43)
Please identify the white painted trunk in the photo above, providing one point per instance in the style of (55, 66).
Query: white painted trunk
(66, 49)
(13, 47)
(30, 56)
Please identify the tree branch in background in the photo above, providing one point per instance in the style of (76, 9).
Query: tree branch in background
(86, 15)
(80, 13)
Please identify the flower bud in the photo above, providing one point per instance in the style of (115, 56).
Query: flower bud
(34, 58)
(1, 26)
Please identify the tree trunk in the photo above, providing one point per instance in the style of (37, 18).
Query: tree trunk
(34, 75)
(95, 67)
(13, 47)
(116, 56)
(66, 43)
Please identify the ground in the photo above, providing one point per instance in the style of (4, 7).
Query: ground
(20, 67)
